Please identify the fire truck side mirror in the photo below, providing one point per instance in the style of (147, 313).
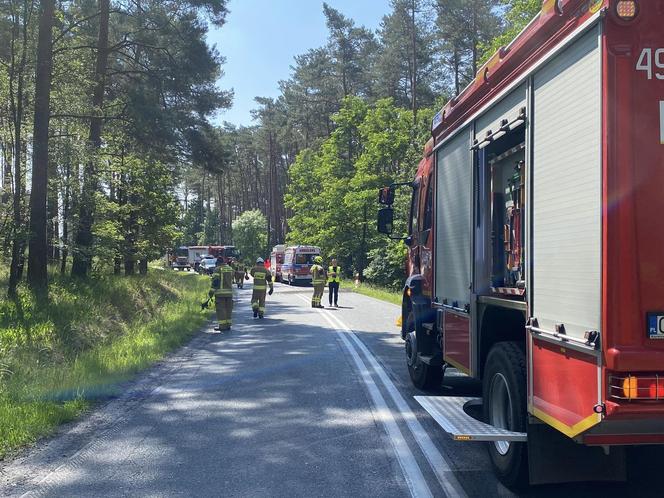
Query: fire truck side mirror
(386, 220)
(386, 196)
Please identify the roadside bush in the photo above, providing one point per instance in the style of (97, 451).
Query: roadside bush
(387, 267)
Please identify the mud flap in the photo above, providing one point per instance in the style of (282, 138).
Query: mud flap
(555, 458)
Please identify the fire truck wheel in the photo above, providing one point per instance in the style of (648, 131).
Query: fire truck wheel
(504, 394)
(423, 376)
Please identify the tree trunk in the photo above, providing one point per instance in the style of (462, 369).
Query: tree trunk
(38, 245)
(413, 81)
(474, 40)
(129, 266)
(457, 83)
(143, 266)
(270, 189)
(83, 253)
(17, 73)
(220, 194)
(229, 210)
(65, 217)
(362, 259)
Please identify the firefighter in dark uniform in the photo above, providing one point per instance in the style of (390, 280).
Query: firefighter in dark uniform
(222, 290)
(240, 271)
(262, 279)
(318, 279)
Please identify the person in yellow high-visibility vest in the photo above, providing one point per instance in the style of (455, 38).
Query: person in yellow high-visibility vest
(318, 279)
(222, 290)
(333, 281)
(262, 279)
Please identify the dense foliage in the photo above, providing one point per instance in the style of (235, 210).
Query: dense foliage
(102, 106)
(250, 235)
(110, 157)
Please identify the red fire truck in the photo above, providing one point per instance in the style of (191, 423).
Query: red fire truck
(276, 260)
(536, 241)
(228, 253)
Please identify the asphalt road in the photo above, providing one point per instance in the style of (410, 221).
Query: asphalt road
(303, 403)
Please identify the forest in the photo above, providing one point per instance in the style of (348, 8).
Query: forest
(111, 152)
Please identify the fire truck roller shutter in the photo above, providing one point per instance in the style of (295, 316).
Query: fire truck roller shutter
(567, 181)
(508, 108)
(454, 173)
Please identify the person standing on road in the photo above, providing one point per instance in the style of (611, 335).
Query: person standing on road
(240, 271)
(261, 281)
(222, 290)
(333, 280)
(318, 279)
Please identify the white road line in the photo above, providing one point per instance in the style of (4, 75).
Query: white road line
(439, 464)
(411, 470)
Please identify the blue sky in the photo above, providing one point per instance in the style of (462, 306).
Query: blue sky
(261, 37)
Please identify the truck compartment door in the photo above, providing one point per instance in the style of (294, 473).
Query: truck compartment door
(456, 340)
(454, 174)
(564, 385)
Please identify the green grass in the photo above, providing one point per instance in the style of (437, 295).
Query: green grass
(57, 359)
(381, 293)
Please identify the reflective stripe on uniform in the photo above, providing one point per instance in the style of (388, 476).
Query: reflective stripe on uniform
(259, 280)
(224, 291)
(317, 275)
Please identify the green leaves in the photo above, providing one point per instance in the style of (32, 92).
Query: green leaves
(518, 13)
(333, 188)
(250, 235)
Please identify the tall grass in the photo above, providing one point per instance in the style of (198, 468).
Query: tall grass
(382, 293)
(58, 357)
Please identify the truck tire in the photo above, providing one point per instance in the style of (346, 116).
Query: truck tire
(422, 375)
(504, 396)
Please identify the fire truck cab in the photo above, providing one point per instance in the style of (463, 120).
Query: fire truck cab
(276, 260)
(227, 253)
(535, 246)
(180, 259)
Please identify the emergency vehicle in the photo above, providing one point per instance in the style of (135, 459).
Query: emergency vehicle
(180, 259)
(276, 260)
(535, 246)
(298, 261)
(195, 254)
(228, 253)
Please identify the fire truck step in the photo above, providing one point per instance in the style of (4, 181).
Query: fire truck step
(449, 413)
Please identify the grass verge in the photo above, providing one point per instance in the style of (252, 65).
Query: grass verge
(58, 358)
(381, 293)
